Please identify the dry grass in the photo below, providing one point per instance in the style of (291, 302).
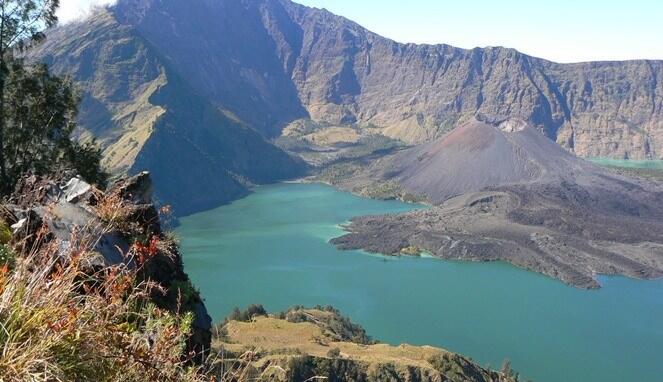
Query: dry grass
(58, 323)
(333, 135)
(283, 347)
(113, 210)
(270, 334)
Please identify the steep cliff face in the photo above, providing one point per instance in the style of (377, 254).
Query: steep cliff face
(415, 92)
(287, 60)
(250, 67)
(224, 50)
(117, 231)
(147, 117)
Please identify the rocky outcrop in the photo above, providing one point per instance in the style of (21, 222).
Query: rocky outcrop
(301, 345)
(548, 230)
(114, 224)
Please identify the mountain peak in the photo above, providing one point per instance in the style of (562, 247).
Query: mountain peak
(264, 64)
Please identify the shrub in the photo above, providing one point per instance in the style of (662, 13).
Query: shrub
(113, 210)
(308, 368)
(337, 325)
(60, 323)
(247, 315)
(334, 353)
(185, 293)
(5, 233)
(508, 371)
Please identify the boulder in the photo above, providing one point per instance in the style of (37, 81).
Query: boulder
(137, 189)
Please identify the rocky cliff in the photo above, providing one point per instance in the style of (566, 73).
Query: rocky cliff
(118, 229)
(159, 87)
(289, 61)
(147, 117)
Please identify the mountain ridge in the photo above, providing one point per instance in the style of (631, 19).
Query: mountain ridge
(266, 64)
(146, 117)
(346, 74)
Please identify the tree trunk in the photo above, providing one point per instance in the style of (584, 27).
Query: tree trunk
(4, 182)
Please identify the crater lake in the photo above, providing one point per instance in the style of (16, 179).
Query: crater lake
(272, 248)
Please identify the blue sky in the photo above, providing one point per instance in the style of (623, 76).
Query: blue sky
(559, 30)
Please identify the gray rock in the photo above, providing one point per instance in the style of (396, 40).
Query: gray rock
(65, 220)
(19, 226)
(75, 189)
(114, 248)
(137, 189)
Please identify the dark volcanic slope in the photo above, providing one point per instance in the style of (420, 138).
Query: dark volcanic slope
(477, 155)
(506, 193)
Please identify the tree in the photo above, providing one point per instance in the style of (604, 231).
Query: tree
(86, 159)
(39, 113)
(22, 23)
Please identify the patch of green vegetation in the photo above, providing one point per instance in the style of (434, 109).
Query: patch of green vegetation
(308, 368)
(292, 144)
(336, 173)
(5, 233)
(381, 191)
(628, 163)
(247, 314)
(388, 191)
(338, 326)
(650, 173)
(334, 353)
(370, 145)
(7, 256)
(185, 292)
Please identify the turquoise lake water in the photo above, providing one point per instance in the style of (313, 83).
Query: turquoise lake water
(272, 248)
(629, 163)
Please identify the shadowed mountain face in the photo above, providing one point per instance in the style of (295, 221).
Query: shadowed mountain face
(147, 117)
(258, 65)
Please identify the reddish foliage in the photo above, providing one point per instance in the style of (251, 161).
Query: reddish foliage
(147, 251)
